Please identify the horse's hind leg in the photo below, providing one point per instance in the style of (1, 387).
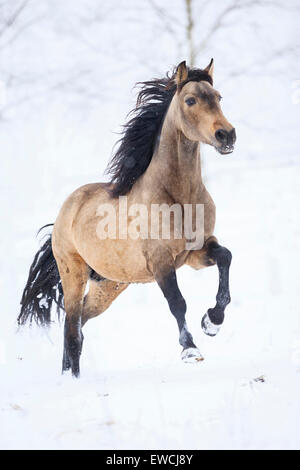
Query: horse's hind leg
(100, 296)
(165, 276)
(74, 275)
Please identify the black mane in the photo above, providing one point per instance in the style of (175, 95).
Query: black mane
(136, 147)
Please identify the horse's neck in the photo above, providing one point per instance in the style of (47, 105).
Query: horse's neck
(176, 164)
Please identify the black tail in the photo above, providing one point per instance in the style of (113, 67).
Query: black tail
(43, 287)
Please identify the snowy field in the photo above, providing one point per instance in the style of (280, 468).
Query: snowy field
(134, 391)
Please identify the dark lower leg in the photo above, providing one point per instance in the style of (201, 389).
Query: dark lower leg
(66, 364)
(73, 339)
(222, 257)
(170, 289)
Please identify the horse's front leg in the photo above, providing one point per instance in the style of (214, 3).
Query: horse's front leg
(213, 319)
(165, 275)
(213, 253)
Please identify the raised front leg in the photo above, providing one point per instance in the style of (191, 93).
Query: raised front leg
(165, 276)
(213, 319)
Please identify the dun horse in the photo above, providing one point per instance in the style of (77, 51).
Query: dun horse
(157, 162)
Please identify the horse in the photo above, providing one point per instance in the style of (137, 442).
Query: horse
(157, 163)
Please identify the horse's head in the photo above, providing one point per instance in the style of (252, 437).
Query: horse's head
(199, 115)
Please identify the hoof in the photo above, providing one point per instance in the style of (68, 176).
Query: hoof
(208, 327)
(191, 355)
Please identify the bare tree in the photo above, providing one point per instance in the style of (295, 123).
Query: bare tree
(190, 32)
(192, 21)
(132, 36)
(14, 23)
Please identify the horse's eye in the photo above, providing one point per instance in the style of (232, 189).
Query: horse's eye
(220, 97)
(190, 101)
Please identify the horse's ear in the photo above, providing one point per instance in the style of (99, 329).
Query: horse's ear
(210, 69)
(181, 73)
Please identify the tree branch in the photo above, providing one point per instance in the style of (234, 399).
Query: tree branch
(14, 16)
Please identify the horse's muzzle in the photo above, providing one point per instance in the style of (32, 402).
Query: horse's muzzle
(226, 140)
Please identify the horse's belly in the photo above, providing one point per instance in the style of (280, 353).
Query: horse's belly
(118, 260)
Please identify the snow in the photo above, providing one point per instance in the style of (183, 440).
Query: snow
(134, 391)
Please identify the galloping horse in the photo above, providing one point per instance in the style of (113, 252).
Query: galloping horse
(157, 162)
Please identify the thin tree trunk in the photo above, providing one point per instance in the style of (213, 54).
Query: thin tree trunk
(190, 31)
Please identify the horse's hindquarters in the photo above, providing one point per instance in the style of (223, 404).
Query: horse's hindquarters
(88, 226)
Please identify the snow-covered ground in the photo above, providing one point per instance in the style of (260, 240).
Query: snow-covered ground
(134, 391)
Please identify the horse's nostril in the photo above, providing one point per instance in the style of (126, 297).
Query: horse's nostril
(222, 136)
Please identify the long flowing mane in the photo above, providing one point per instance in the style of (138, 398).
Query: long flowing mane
(140, 133)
